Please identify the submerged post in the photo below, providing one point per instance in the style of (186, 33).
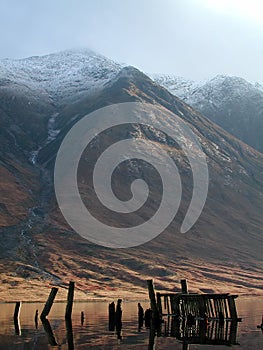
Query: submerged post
(49, 303)
(70, 300)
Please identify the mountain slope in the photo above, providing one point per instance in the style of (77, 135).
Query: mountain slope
(44, 249)
(231, 102)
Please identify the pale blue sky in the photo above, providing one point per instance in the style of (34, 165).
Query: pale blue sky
(192, 38)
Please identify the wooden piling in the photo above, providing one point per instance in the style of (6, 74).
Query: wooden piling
(70, 300)
(152, 295)
(16, 318)
(112, 316)
(17, 310)
(184, 286)
(49, 303)
(232, 306)
(159, 303)
(155, 314)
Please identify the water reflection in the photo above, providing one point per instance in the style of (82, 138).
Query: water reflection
(50, 335)
(90, 329)
(17, 326)
(36, 319)
(192, 331)
(69, 334)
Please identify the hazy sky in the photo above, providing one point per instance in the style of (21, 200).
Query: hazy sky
(192, 38)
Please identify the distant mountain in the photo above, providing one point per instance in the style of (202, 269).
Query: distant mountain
(222, 252)
(231, 102)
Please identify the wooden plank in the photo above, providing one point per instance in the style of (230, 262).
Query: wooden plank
(226, 309)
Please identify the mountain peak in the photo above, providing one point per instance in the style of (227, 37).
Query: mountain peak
(61, 74)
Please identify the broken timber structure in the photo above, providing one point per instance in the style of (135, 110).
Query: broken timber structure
(201, 306)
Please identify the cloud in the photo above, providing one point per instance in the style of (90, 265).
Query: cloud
(188, 38)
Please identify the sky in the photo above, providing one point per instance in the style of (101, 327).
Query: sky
(195, 39)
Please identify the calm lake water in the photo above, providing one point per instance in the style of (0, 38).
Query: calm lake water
(94, 332)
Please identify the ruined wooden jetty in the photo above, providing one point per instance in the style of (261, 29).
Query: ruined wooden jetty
(201, 306)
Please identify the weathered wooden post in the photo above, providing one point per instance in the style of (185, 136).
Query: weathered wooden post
(49, 303)
(152, 297)
(111, 309)
(232, 307)
(159, 303)
(17, 310)
(184, 286)
(16, 318)
(70, 300)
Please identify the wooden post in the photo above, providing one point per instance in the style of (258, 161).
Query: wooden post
(112, 316)
(49, 303)
(159, 303)
(16, 318)
(184, 286)
(17, 310)
(70, 300)
(152, 295)
(232, 306)
(202, 307)
(175, 305)
(155, 314)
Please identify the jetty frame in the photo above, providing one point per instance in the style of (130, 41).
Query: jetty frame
(211, 306)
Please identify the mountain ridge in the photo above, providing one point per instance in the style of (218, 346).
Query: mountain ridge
(41, 247)
(231, 102)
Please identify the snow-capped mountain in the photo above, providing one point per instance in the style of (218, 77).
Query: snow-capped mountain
(231, 102)
(41, 98)
(62, 75)
(178, 86)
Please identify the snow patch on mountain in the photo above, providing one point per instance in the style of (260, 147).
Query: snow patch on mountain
(178, 86)
(214, 91)
(62, 74)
